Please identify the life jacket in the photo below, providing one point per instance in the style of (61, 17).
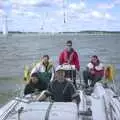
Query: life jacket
(95, 67)
(68, 57)
(48, 67)
(110, 73)
(99, 69)
(28, 69)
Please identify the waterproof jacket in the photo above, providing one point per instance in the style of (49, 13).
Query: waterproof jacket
(69, 58)
(41, 68)
(99, 69)
(31, 88)
(62, 92)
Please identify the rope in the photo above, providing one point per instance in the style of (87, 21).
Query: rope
(48, 111)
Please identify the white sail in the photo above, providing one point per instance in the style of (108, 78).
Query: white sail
(5, 25)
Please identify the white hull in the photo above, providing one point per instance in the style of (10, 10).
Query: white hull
(104, 105)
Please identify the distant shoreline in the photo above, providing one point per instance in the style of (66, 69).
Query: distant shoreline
(85, 32)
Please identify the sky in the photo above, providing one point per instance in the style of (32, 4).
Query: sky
(60, 15)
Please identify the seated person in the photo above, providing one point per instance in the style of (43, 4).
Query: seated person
(34, 85)
(94, 71)
(44, 66)
(60, 89)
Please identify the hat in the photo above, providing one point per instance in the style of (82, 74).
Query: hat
(59, 68)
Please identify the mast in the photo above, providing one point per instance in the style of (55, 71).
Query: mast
(64, 13)
(44, 21)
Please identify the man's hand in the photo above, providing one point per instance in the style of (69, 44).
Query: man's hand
(42, 96)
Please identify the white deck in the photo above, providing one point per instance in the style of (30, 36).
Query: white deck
(103, 103)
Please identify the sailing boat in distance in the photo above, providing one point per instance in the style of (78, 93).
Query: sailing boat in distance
(5, 25)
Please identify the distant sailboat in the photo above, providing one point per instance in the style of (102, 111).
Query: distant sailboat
(5, 25)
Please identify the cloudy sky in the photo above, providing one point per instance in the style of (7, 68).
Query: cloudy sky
(60, 15)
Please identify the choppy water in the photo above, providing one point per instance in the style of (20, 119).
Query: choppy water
(18, 50)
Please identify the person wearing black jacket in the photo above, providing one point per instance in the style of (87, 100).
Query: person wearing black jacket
(60, 89)
(34, 85)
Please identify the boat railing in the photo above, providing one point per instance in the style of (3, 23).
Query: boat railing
(72, 74)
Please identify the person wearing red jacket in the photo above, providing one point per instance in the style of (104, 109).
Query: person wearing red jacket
(94, 71)
(69, 56)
